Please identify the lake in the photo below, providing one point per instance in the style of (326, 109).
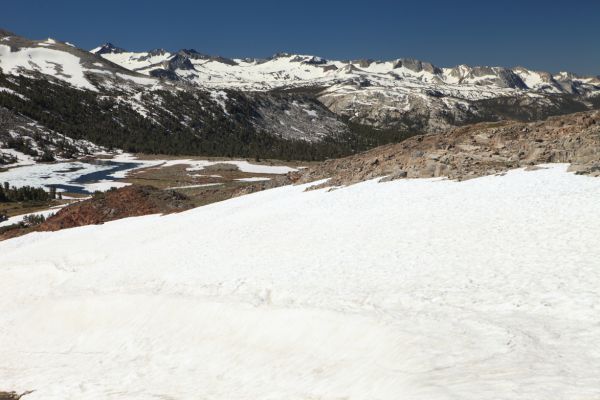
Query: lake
(72, 176)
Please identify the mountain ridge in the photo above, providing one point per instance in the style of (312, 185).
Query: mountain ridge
(416, 65)
(403, 93)
(288, 106)
(362, 62)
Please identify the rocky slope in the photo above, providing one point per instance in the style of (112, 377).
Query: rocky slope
(472, 151)
(27, 141)
(129, 201)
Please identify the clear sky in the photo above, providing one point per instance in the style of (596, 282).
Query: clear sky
(550, 35)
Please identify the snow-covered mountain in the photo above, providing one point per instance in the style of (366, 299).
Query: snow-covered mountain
(285, 70)
(287, 106)
(381, 93)
(85, 96)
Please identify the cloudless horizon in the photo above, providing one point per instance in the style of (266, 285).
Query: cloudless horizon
(535, 34)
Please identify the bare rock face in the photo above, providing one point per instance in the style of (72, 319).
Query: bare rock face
(473, 151)
(295, 118)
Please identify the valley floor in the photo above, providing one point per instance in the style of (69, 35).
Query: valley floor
(202, 180)
(418, 289)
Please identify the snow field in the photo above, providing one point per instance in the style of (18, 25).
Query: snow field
(419, 289)
(59, 64)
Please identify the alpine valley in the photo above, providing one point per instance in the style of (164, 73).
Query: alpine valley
(61, 102)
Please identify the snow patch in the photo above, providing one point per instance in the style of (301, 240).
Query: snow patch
(59, 64)
(194, 186)
(254, 179)
(104, 185)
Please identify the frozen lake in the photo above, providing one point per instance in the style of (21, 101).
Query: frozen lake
(74, 176)
(86, 177)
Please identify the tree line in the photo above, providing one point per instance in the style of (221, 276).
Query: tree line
(181, 123)
(10, 194)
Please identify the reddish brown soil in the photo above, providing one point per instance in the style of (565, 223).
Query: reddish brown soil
(129, 201)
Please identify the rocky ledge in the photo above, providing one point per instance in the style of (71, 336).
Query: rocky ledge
(473, 151)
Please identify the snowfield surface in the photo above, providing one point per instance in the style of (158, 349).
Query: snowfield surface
(56, 63)
(411, 289)
(253, 179)
(104, 185)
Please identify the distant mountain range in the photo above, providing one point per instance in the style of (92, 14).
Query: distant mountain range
(379, 93)
(286, 106)
(293, 70)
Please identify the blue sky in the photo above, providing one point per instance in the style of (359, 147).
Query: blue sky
(536, 34)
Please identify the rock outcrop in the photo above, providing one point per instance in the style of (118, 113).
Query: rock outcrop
(130, 201)
(473, 151)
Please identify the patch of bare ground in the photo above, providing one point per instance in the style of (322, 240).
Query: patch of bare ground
(473, 151)
(176, 176)
(129, 201)
(213, 183)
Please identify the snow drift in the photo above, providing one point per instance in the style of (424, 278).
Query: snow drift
(417, 289)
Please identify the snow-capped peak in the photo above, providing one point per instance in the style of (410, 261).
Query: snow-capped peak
(107, 48)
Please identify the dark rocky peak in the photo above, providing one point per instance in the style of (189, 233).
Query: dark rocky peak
(193, 54)
(108, 48)
(417, 66)
(309, 60)
(179, 61)
(510, 79)
(157, 52)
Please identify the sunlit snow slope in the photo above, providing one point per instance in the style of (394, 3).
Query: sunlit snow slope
(412, 289)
